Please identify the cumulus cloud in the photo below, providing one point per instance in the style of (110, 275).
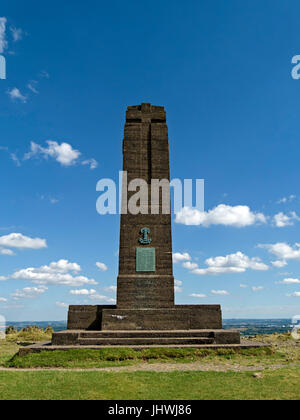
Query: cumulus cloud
(190, 265)
(3, 278)
(100, 298)
(2, 299)
(3, 42)
(57, 273)
(17, 240)
(17, 33)
(220, 292)
(295, 294)
(101, 266)
(33, 85)
(110, 289)
(278, 263)
(236, 216)
(16, 95)
(286, 199)
(178, 257)
(177, 284)
(5, 251)
(244, 286)
(198, 295)
(233, 263)
(84, 292)
(283, 252)
(289, 281)
(29, 292)
(282, 220)
(92, 163)
(63, 153)
(257, 288)
(15, 159)
(62, 305)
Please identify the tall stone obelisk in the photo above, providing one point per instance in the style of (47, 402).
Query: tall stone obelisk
(145, 312)
(145, 260)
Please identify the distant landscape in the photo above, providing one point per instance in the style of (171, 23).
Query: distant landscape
(247, 327)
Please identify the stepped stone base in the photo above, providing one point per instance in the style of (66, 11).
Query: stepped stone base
(48, 346)
(97, 326)
(179, 317)
(189, 338)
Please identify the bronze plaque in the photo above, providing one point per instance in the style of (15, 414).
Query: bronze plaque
(145, 259)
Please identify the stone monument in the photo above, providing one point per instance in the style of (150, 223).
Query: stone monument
(145, 312)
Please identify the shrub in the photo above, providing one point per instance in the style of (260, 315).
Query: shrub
(10, 330)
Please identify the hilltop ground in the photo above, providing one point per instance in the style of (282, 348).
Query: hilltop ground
(265, 373)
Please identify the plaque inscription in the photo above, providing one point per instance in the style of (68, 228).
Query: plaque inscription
(145, 259)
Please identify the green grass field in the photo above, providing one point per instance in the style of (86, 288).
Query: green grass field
(153, 373)
(278, 384)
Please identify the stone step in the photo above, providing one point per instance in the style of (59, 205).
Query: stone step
(155, 341)
(146, 334)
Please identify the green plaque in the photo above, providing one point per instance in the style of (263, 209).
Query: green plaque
(145, 259)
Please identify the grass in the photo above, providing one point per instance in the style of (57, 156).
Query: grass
(84, 358)
(279, 379)
(30, 335)
(63, 385)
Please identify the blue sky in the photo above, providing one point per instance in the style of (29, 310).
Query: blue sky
(223, 72)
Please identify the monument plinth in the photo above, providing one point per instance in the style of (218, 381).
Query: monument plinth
(145, 286)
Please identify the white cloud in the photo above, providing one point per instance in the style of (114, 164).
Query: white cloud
(198, 295)
(101, 266)
(283, 251)
(63, 153)
(289, 281)
(295, 294)
(17, 240)
(2, 299)
(190, 265)
(62, 305)
(220, 292)
(3, 278)
(110, 288)
(84, 292)
(3, 42)
(5, 251)
(100, 298)
(16, 95)
(177, 284)
(244, 286)
(93, 164)
(257, 288)
(282, 220)
(178, 257)
(278, 263)
(17, 34)
(285, 199)
(233, 263)
(29, 292)
(32, 85)
(237, 216)
(57, 273)
(15, 159)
